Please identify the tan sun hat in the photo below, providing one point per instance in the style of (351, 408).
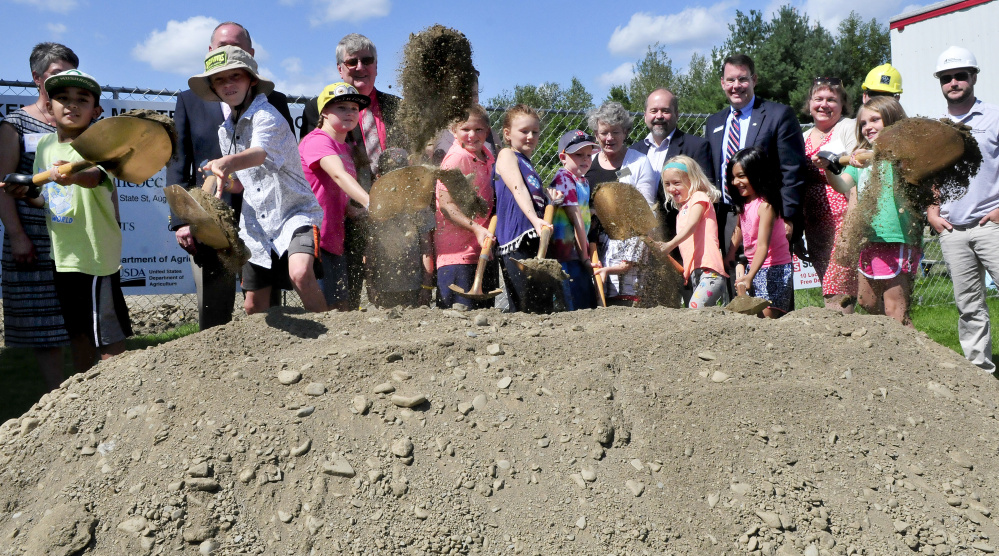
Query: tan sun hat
(222, 59)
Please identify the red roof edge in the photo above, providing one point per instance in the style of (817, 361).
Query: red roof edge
(957, 6)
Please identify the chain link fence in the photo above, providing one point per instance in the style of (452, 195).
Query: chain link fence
(933, 285)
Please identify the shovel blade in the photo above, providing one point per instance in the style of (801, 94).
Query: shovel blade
(747, 305)
(203, 226)
(131, 149)
(474, 296)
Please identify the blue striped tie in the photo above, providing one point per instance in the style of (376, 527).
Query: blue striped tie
(731, 145)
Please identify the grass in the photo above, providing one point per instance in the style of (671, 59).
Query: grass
(21, 385)
(939, 322)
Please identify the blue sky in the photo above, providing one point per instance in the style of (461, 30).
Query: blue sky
(160, 44)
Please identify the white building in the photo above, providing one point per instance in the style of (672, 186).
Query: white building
(918, 37)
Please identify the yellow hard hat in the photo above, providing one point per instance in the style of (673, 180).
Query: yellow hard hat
(885, 79)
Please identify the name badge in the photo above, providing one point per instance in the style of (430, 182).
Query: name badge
(31, 141)
(623, 173)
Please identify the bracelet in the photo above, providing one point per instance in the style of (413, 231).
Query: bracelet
(426, 287)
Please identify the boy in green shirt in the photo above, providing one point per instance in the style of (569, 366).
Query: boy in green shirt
(82, 221)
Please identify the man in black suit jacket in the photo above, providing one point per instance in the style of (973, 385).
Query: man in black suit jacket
(357, 62)
(665, 141)
(197, 123)
(763, 123)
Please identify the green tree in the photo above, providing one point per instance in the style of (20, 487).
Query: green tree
(860, 47)
(547, 96)
(653, 71)
(619, 93)
(790, 52)
(699, 91)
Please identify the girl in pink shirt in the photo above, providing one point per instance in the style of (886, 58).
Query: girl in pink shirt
(690, 192)
(755, 192)
(458, 238)
(329, 168)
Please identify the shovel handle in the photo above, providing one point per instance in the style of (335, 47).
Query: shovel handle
(546, 231)
(599, 281)
(487, 248)
(861, 156)
(666, 256)
(740, 271)
(68, 168)
(209, 185)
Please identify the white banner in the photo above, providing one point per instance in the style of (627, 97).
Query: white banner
(151, 261)
(805, 276)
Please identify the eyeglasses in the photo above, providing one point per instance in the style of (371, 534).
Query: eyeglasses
(946, 78)
(827, 81)
(352, 62)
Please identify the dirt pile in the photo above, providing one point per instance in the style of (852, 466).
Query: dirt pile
(615, 431)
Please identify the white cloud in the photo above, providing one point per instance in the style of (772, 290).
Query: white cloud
(300, 82)
(618, 76)
(830, 15)
(57, 29)
(292, 65)
(691, 27)
(180, 48)
(58, 6)
(329, 11)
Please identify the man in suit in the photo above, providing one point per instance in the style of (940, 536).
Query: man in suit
(665, 141)
(357, 62)
(197, 123)
(756, 122)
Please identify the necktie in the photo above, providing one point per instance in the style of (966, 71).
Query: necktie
(372, 145)
(731, 145)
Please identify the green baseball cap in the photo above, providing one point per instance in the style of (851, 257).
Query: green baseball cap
(72, 78)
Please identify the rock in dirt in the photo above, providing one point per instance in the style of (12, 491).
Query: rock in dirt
(64, 530)
(409, 401)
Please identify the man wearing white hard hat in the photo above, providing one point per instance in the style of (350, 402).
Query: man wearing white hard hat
(969, 226)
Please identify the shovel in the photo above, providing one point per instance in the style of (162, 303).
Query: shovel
(597, 279)
(204, 228)
(744, 303)
(541, 268)
(131, 147)
(475, 292)
(411, 189)
(922, 147)
(625, 214)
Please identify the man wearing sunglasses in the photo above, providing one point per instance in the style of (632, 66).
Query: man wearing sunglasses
(357, 62)
(969, 226)
(197, 124)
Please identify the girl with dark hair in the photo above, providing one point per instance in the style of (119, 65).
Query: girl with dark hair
(754, 188)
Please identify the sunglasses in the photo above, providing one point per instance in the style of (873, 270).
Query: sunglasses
(352, 62)
(960, 76)
(827, 81)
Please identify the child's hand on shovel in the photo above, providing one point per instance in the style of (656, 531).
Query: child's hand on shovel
(482, 236)
(223, 171)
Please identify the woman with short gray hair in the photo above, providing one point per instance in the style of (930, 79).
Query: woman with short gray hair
(622, 259)
(615, 161)
(31, 310)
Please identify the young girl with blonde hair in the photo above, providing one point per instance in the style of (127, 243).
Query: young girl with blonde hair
(690, 192)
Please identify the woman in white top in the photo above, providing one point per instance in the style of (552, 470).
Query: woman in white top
(615, 161)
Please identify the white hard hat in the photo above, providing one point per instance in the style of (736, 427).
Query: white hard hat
(955, 57)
